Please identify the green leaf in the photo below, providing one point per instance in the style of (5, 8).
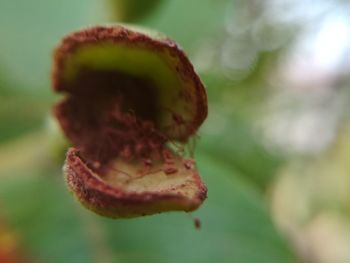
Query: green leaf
(236, 226)
(20, 114)
(179, 20)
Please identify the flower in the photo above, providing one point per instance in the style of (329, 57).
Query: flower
(132, 101)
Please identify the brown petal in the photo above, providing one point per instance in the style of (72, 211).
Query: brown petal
(125, 193)
(140, 54)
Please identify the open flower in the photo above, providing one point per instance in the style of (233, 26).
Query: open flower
(132, 101)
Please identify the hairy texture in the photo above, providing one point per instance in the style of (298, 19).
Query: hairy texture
(131, 103)
(109, 198)
(122, 36)
(106, 114)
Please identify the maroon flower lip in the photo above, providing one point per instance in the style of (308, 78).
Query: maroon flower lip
(114, 201)
(132, 101)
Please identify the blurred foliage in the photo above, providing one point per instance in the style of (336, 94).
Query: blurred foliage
(53, 228)
(235, 223)
(131, 10)
(20, 112)
(241, 49)
(310, 202)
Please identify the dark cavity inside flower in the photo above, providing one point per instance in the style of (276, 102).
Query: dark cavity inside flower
(132, 101)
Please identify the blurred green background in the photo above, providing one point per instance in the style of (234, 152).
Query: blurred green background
(274, 151)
